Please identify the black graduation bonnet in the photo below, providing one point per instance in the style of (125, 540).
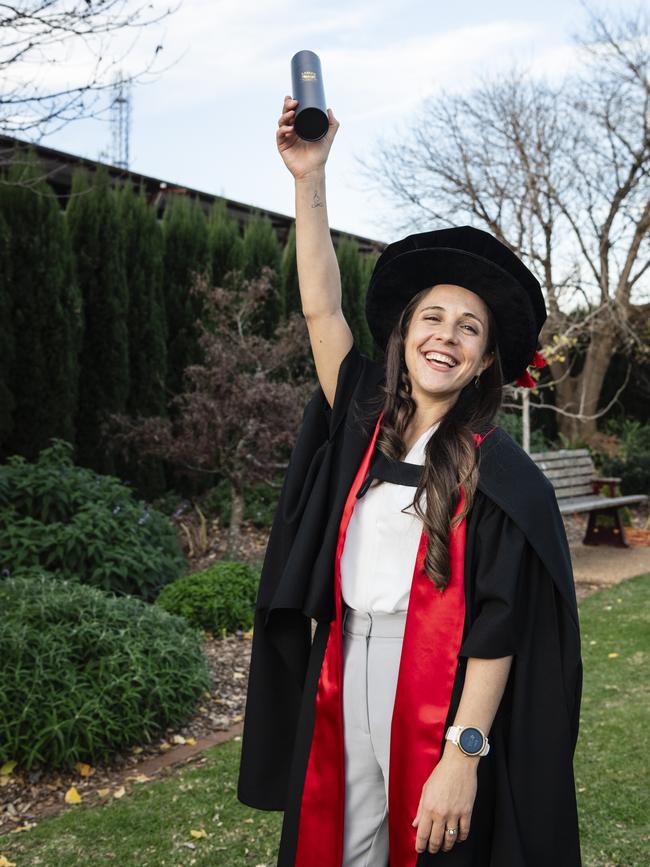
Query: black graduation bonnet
(467, 257)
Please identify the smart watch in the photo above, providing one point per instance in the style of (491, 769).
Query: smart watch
(469, 740)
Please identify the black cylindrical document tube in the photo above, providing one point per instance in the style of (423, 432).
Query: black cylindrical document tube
(311, 121)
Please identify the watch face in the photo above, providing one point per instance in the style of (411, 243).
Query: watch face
(471, 740)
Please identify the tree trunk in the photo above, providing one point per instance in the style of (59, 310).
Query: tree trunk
(581, 393)
(236, 516)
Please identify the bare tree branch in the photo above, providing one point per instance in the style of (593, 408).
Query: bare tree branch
(561, 175)
(35, 35)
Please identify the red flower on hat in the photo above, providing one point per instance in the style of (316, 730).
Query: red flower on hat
(526, 380)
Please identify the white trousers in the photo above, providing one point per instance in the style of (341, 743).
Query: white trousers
(372, 646)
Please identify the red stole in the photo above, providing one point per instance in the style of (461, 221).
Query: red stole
(428, 663)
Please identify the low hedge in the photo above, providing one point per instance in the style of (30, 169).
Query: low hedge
(80, 525)
(219, 599)
(85, 674)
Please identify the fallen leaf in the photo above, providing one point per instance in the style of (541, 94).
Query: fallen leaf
(72, 796)
(8, 767)
(140, 778)
(84, 769)
(199, 834)
(4, 862)
(612, 655)
(165, 746)
(119, 793)
(136, 750)
(190, 741)
(103, 792)
(24, 827)
(178, 739)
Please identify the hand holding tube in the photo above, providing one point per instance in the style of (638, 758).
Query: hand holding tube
(302, 157)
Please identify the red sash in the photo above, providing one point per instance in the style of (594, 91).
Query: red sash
(428, 663)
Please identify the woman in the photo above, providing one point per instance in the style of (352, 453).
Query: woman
(433, 716)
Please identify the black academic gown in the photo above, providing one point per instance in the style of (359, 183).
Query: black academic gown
(519, 599)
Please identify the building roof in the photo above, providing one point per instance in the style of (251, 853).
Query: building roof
(59, 167)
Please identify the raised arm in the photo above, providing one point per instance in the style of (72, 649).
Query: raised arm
(318, 271)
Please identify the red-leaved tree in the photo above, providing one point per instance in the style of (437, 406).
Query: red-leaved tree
(239, 413)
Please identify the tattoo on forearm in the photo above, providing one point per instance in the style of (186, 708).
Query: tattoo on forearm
(316, 202)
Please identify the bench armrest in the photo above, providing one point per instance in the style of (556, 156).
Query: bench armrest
(598, 484)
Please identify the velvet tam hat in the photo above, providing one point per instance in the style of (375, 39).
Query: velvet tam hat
(476, 260)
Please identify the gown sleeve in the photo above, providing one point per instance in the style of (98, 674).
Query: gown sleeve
(496, 589)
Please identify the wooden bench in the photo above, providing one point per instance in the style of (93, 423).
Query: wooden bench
(578, 489)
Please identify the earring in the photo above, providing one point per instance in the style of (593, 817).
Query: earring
(476, 381)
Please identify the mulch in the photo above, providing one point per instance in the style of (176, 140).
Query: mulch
(27, 797)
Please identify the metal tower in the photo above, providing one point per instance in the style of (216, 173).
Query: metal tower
(120, 121)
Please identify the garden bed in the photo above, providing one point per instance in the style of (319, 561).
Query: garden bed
(26, 798)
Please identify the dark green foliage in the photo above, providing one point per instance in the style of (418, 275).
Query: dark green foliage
(143, 260)
(355, 273)
(98, 244)
(289, 272)
(146, 325)
(44, 310)
(260, 502)
(262, 248)
(366, 341)
(632, 466)
(83, 526)
(225, 244)
(186, 254)
(220, 599)
(350, 267)
(511, 422)
(7, 337)
(84, 674)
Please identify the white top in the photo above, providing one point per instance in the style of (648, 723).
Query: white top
(381, 543)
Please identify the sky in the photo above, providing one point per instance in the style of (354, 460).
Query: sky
(209, 119)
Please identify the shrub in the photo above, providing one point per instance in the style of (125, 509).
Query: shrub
(83, 526)
(511, 422)
(633, 463)
(260, 503)
(220, 599)
(84, 673)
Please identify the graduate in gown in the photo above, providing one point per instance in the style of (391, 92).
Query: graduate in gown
(509, 593)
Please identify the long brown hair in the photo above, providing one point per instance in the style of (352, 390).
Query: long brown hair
(450, 454)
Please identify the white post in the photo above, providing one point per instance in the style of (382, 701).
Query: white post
(525, 419)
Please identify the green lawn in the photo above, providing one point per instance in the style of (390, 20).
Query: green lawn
(151, 826)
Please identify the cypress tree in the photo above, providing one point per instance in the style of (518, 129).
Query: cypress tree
(185, 253)
(98, 244)
(289, 273)
(366, 341)
(262, 247)
(350, 267)
(225, 244)
(7, 341)
(143, 251)
(45, 311)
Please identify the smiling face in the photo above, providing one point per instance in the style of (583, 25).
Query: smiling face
(453, 321)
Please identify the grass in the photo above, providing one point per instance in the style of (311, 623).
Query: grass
(151, 826)
(613, 755)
